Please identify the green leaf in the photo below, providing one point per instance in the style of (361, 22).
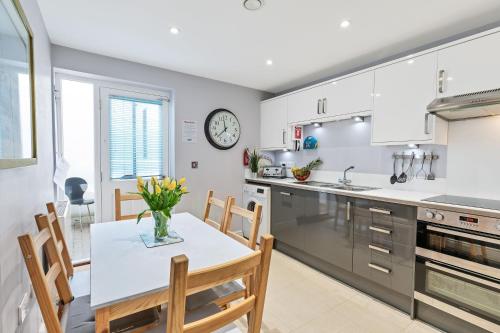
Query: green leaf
(141, 214)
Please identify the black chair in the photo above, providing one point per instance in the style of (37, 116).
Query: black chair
(74, 188)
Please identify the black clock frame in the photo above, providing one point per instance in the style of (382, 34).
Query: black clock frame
(207, 129)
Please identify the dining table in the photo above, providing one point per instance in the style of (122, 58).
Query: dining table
(127, 277)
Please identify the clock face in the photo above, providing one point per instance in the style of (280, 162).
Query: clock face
(222, 129)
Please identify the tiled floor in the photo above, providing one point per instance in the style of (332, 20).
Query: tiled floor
(300, 299)
(79, 241)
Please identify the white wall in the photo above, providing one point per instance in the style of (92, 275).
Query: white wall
(194, 99)
(24, 191)
(474, 158)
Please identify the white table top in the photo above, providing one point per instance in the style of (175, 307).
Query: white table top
(123, 267)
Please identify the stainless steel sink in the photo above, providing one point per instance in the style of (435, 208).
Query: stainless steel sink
(353, 188)
(314, 183)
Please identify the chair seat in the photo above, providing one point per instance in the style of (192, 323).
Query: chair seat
(80, 283)
(192, 316)
(79, 318)
(81, 202)
(210, 295)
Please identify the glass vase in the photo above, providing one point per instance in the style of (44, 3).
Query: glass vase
(161, 226)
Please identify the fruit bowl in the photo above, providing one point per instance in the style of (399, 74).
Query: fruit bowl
(301, 175)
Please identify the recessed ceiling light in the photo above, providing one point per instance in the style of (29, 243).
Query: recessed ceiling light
(345, 24)
(411, 61)
(174, 30)
(252, 4)
(269, 62)
(358, 119)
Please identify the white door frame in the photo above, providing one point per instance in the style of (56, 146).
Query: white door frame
(107, 82)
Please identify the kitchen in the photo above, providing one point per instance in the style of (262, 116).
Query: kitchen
(403, 205)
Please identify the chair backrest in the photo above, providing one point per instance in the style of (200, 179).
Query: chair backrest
(255, 267)
(46, 286)
(254, 218)
(74, 188)
(119, 197)
(212, 201)
(62, 247)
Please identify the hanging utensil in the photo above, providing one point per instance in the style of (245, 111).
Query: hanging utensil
(431, 175)
(410, 171)
(422, 174)
(394, 177)
(403, 176)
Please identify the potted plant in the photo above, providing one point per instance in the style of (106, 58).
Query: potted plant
(301, 174)
(254, 162)
(161, 199)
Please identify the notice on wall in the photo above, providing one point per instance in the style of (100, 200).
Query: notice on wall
(189, 131)
(61, 173)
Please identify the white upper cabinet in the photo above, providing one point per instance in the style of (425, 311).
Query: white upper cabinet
(402, 92)
(273, 124)
(350, 95)
(469, 67)
(306, 105)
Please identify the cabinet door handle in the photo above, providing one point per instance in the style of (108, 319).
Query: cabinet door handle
(380, 268)
(288, 194)
(348, 213)
(441, 81)
(324, 105)
(379, 249)
(380, 211)
(381, 230)
(284, 137)
(319, 106)
(427, 127)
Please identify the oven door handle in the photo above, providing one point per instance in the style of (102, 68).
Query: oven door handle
(464, 235)
(463, 275)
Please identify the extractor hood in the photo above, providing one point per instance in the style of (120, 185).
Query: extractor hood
(473, 105)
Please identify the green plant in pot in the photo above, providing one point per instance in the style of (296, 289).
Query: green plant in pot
(161, 199)
(301, 174)
(254, 158)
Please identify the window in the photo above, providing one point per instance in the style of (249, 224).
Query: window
(135, 137)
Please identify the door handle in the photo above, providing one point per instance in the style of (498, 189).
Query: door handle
(380, 211)
(441, 81)
(379, 249)
(380, 268)
(318, 111)
(348, 212)
(284, 137)
(381, 230)
(288, 194)
(324, 105)
(427, 130)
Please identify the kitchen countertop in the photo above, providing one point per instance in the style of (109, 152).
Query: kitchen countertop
(411, 198)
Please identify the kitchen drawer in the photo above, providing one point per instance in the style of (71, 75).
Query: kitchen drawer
(398, 253)
(384, 213)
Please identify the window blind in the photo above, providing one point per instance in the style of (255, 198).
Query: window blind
(135, 137)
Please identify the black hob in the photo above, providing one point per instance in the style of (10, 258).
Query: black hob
(466, 201)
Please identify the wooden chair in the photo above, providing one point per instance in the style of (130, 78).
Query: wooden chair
(61, 312)
(254, 217)
(118, 205)
(212, 201)
(255, 267)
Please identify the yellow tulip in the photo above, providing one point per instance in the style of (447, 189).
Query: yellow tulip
(154, 181)
(184, 189)
(140, 181)
(140, 187)
(166, 182)
(182, 180)
(172, 185)
(157, 189)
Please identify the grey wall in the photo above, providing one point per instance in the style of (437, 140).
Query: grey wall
(345, 143)
(195, 97)
(24, 191)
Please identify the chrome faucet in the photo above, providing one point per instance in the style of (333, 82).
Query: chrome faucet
(344, 180)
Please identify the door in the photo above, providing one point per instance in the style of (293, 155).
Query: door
(273, 124)
(350, 95)
(402, 92)
(469, 67)
(134, 142)
(306, 105)
(327, 228)
(287, 212)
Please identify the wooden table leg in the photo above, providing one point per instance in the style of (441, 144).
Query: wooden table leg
(102, 320)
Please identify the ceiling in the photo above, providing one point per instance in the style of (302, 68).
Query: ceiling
(221, 40)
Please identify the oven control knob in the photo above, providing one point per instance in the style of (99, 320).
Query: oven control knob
(439, 217)
(429, 214)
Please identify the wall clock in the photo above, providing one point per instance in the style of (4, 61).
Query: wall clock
(222, 129)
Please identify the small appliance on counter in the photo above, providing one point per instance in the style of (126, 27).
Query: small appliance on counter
(274, 172)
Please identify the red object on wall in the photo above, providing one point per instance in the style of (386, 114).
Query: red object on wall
(298, 133)
(246, 158)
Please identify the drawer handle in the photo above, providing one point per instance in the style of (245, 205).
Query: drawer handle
(380, 211)
(379, 249)
(379, 268)
(381, 230)
(288, 194)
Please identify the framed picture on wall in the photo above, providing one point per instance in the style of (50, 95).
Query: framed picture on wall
(17, 96)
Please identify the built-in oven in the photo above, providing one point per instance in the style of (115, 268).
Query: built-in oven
(458, 265)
